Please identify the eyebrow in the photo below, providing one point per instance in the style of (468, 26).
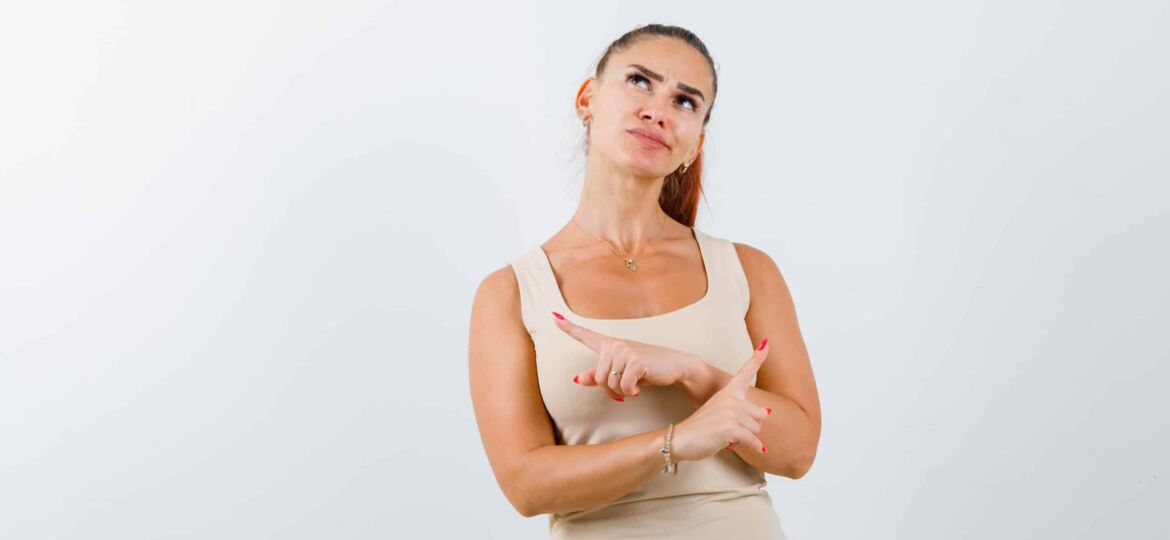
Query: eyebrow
(684, 87)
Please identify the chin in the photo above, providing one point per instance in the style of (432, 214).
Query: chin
(640, 163)
(648, 170)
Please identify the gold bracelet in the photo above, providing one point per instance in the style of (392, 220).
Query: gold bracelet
(670, 466)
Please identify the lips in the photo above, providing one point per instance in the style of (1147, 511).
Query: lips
(648, 134)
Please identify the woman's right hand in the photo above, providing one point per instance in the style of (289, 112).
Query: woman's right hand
(726, 418)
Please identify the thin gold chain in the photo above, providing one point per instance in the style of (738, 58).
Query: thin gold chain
(630, 264)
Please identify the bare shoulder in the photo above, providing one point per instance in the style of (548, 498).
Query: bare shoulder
(499, 291)
(749, 254)
(763, 274)
(495, 312)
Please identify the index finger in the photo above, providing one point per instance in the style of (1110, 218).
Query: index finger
(591, 339)
(742, 378)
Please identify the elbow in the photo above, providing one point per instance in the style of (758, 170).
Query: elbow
(524, 505)
(801, 467)
(796, 473)
(804, 460)
(520, 497)
(522, 508)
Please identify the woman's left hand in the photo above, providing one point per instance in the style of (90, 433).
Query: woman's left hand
(638, 363)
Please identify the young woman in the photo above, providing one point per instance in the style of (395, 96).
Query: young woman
(613, 369)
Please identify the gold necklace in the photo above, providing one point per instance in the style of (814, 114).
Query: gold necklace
(630, 265)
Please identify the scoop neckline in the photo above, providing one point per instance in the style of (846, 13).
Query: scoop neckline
(564, 305)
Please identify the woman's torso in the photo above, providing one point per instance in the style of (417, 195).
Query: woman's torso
(722, 494)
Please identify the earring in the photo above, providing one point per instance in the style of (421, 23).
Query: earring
(585, 122)
(685, 165)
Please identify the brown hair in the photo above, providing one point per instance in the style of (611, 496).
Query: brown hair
(680, 191)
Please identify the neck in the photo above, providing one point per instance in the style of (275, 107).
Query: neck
(620, 207)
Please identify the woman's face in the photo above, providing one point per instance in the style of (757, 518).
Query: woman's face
(661, 86)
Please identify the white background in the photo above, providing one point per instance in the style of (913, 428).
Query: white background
(239, 243)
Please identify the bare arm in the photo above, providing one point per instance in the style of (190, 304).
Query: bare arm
(536, 475)
(785, 382)
(567, 478)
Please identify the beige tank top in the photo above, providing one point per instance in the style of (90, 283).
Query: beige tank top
(718, 497)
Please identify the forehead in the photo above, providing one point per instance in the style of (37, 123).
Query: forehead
(671, 57)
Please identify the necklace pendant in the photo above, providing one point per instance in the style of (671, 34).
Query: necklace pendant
(630, 265)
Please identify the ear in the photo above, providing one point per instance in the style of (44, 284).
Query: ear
(584, 97)
(694, 153)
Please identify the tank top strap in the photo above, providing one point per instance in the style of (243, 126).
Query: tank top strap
(535, 295)
(727, 276)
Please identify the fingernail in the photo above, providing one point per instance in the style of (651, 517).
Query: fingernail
(575, 379)
(764, 449)
(763, 344)
(769, 410)
(619, 398)
(559, 316)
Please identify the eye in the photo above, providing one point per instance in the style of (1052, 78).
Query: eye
(638, 77)
(635, 76)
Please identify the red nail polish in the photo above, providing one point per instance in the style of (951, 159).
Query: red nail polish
(619, 398)
(763, 344)
(575, 379)
(764, 449)
(769, 410)
(559, 316)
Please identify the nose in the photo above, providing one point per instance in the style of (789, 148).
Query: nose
(655, 109)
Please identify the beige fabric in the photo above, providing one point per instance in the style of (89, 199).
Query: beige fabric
(719, 497)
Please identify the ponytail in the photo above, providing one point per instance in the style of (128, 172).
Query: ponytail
(680, 193)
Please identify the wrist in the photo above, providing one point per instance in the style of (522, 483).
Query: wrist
(699, 381)
(677, 446)
(694, 374)
(666, 451)
(654, 454)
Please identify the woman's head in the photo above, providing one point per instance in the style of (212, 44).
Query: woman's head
(658, 81)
